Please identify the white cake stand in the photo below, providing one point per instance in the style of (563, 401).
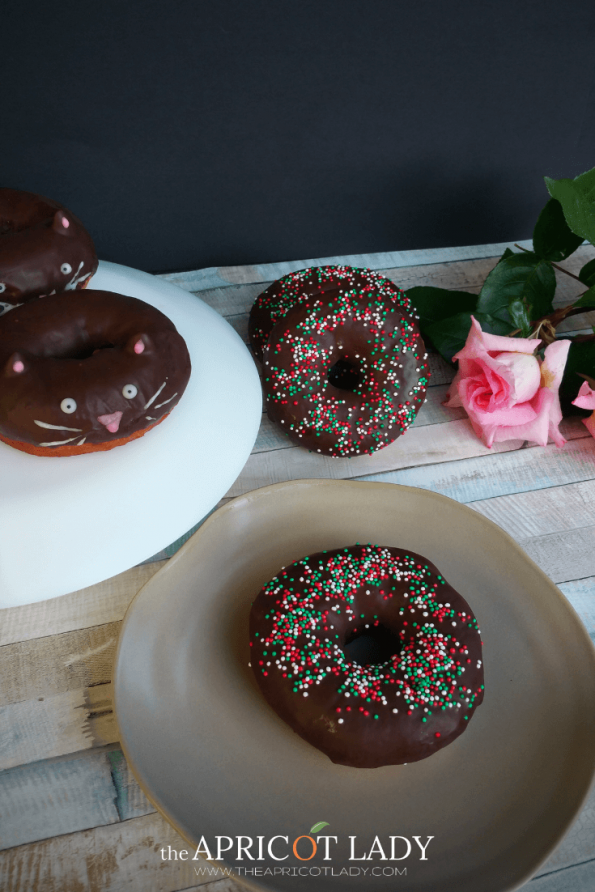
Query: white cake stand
(66, 523)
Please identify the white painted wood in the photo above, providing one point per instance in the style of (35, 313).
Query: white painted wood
(51, 798)
(564, 556)
(102, 603)
(130, 800)
(502, 474)
(574, 879)
(581, 594)
(578, 844)
(558, 509)
(120, 857)
(220, 886)
(42, 667)
(232, 299)
(53, 726)
(454, 440)
(214, 277)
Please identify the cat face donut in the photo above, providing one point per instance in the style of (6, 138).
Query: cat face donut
(420, 692)
(80, 376)
(345, 370)
(44, 249)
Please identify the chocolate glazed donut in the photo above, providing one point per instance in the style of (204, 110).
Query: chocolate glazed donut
(324, 282)
(345, 368)
(44, 249)
(86, 375)
(414, 691)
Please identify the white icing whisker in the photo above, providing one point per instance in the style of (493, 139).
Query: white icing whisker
(59, 442)
(56, 427)
(5, 308)
(155, 395)
(76, 279)
(158, 406)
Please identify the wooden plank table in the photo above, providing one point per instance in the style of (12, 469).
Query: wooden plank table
(72, 817)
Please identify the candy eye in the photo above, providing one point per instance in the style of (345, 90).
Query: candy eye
(2, 287)
(66, 268)
(68, 405)
(129, 391)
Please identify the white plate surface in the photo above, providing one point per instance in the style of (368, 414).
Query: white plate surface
(216, 760)
(66, 523)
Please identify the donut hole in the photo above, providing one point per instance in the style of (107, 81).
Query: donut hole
(369, 646)
(345, 375)
(84, 352)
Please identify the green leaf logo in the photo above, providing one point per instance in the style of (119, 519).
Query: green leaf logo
(318, 827)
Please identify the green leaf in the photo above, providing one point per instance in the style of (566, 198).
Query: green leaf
(507, 253)
(520, 315)
(553, 239)
(432, 303)
(525, 277)
(318, 827)
(577, 198)
(580, 362)
(449, 335)
(587, 273)
(587, 299)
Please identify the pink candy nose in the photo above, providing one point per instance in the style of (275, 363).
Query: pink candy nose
(112, 422)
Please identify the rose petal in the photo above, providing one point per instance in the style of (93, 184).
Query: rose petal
(554, 363)
(485, 433)
(479, 341)
(523, 413)
(536, 430)
(453, 399)
(525, 374)
(585, 398)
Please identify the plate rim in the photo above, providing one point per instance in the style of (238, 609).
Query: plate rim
(307, 483)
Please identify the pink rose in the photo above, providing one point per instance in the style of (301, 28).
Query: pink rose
(586, 400)
(507, 392)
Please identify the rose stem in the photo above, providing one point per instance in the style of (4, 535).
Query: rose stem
(555, 265)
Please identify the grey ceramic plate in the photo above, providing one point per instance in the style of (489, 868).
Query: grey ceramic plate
(216, 760)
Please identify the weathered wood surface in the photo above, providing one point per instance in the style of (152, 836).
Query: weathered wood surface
(117, 857)
(105, 602)
(73, 818)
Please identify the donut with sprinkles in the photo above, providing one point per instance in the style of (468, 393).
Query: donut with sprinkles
(413, 693)
(316, 281)
(344, 367)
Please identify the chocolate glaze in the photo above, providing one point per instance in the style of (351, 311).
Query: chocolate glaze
(106, 355)
(308, 284)
(44, 248)
(345, 369)
(403, 709)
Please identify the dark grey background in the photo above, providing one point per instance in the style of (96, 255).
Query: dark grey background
(191, 134)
